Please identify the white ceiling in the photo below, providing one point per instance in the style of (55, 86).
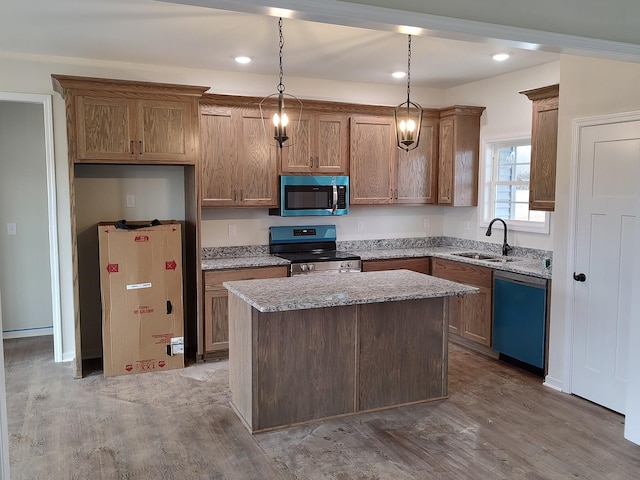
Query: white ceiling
(153, 32)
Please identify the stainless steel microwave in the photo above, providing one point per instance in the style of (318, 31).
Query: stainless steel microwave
(313, 195)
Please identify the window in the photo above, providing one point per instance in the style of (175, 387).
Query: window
(508, 165)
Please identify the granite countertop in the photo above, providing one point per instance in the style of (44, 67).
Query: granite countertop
(264, 260)
(315, 291)
(523, 265)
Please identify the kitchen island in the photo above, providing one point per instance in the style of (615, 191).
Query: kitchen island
(316, 346)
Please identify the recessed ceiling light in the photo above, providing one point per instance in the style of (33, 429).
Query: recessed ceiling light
(500, 57)
(242, 60)
(399, 74)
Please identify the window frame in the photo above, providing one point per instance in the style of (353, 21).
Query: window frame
(488, 200)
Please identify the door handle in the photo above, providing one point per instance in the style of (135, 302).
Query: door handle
(579, 277)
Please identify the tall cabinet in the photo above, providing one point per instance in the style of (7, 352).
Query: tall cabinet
(544, 145)
(127, 123)
(459, 156)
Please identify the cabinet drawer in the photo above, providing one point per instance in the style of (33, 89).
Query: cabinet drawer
(213, 279)
(420, 265)
(462, 272)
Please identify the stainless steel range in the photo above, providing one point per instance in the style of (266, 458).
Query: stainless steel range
(311, 249)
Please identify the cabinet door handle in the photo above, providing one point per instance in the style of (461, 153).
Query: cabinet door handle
(396, 194)
(241, 196)
(131, 148)
(311, 161)
(317, 162)
(140, 146)
(235, 195)
(391, 194)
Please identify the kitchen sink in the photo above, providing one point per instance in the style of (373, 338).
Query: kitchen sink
(475, 256)
(484, 257)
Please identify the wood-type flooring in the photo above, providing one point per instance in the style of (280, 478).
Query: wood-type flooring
(498, 423)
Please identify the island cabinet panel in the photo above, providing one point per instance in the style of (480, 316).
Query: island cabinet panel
(319, 144)
(303, 366)
(420, 265)
(216, 314)
(470, 316)
(296, 366)
(401, 352)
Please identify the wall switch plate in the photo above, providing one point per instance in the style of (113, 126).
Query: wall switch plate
(12, 229)
(427, 223)
(465, 225)
(232, 230)
(131, 200)
(360, 226)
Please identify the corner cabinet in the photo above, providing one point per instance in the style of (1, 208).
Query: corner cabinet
(544, 145)
(383, 174)
(319, 144)
(459, 156)
(238, 164)
(470, 316)
(124, 122)
(216, 317)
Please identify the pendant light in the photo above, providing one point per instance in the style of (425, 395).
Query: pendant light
(280, 119)
(408, 116)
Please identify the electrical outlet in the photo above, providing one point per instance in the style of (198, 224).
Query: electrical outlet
(427, 223)
(232, 230)
(465, 226)
(12, 229)
(360, 226)
(131, 200)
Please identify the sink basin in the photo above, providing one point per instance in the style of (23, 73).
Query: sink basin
(484, 257)
(476, 256)
(501, 259)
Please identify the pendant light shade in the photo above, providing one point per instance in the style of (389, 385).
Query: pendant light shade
(280, 119)
(408, 116)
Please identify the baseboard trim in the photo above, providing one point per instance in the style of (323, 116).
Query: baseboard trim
(27, 332)
(553, 383)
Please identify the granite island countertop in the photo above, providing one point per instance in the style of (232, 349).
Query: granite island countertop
(317, 291)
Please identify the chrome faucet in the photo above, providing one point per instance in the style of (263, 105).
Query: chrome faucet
(505, 246)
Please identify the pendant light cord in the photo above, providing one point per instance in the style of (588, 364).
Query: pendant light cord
(409, 73)
(280, 86)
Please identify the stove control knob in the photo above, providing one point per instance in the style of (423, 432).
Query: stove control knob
(346, 265)
(311, 266)
(303, 267)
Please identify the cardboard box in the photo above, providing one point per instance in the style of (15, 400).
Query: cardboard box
(141, 288)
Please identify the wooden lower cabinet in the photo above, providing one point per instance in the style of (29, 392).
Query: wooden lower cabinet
(420, 265)
(470, 316)
(216, 317)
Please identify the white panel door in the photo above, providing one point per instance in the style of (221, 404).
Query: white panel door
(609, 168)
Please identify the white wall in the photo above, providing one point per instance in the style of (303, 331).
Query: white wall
(508, 115)
(24, 258)
(587, 88)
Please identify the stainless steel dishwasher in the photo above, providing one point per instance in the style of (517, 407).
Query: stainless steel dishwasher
(519, 319)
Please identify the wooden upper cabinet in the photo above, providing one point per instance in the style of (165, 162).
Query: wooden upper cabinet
(117, 121)
(383, 174)
(320, 144)
(239, 163)
(544, 144)
(416, 170)
(373, 152)
(459, 156)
